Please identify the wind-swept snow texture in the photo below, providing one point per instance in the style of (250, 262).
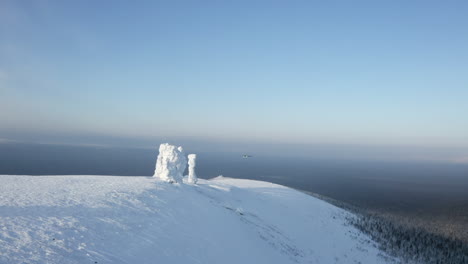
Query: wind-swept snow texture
(111, 219)
(171, 163)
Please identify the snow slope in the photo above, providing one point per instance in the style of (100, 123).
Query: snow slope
(112, 219)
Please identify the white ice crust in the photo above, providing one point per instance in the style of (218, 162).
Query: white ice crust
(192, 177)
(171, 163)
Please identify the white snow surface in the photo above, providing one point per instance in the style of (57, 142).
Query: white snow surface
(112, 219)
(171, 163)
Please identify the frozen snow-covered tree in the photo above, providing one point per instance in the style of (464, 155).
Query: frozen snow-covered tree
(192, 177)
(171, 163)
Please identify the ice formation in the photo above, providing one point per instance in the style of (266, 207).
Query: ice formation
(192, 177)
(171, 163)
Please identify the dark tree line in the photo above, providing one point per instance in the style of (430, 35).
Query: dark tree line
(411, 244)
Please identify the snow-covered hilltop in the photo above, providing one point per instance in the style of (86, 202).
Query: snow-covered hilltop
(112, 219)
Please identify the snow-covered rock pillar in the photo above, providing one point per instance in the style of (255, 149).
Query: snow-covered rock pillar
(192, 177)
(171, 163)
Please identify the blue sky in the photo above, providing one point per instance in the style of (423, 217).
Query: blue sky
(300, 72)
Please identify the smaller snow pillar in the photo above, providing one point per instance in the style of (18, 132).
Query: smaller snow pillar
(192, 177)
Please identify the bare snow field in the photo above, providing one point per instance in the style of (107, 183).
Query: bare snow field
(112, 219)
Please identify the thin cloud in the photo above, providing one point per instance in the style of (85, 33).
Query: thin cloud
(6, 140)
(462, 160)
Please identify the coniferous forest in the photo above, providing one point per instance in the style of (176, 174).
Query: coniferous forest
(411, 244)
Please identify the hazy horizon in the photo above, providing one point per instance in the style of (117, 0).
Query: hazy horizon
(390, 77)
